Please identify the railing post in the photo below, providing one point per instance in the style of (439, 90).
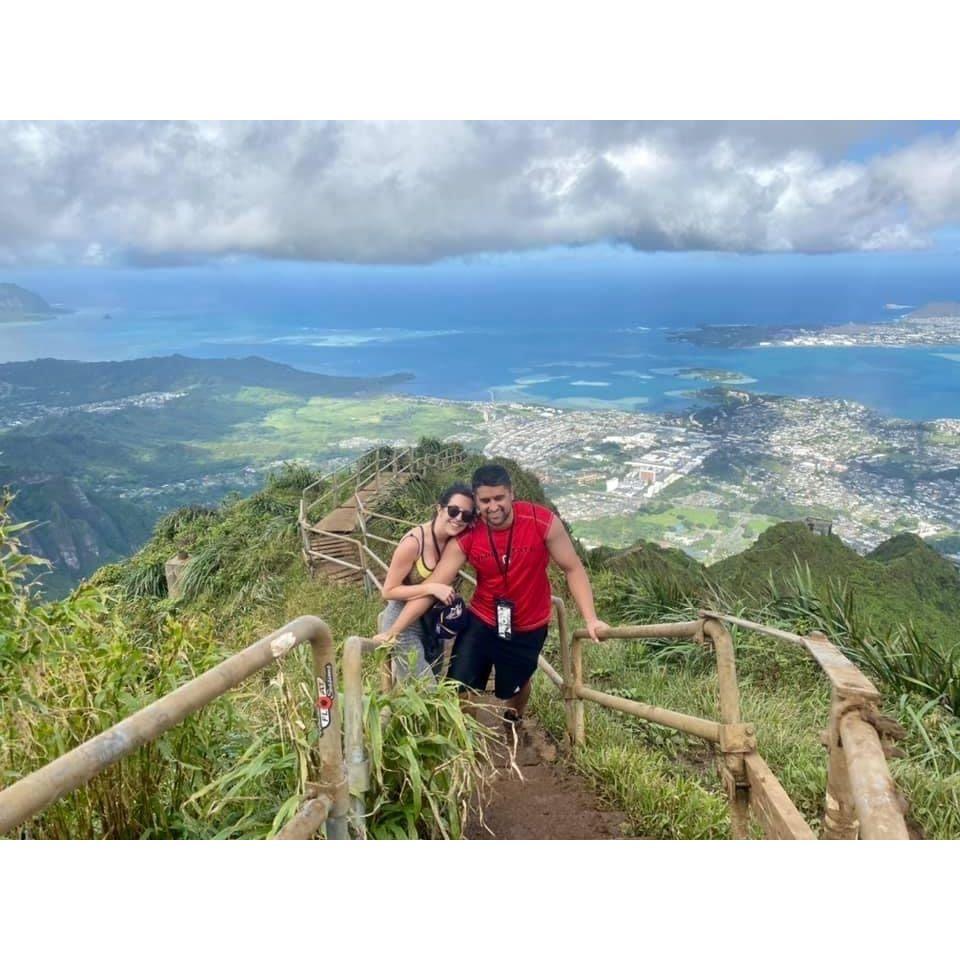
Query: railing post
(874, 792)
(736, 739)
(361, 543)
(839, 811)
(570, 699)
(386, 668)
(859, 785)
(578, 732)
(332, 771)
(363, 567)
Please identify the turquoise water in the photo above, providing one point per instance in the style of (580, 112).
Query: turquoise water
(568, 332)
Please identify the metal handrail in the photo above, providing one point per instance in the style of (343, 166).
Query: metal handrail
(861, 794)
(359, 478)
(352, 471)
(793, 638)
(751, 786)
(354, 475)
(35, 792)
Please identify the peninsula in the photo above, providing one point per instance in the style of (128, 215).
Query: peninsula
(934, 324)
(17, 304)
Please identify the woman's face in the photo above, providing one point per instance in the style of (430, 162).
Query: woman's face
(454, 525)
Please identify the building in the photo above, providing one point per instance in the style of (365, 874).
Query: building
(819, 526)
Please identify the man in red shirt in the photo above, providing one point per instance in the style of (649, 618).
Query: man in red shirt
(510, 549)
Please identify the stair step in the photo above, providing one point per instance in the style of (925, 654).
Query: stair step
(350, 555)
(345, 576)
(333, 546)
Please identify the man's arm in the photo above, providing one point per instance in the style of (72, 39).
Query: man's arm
(561, 550)
(452, 559)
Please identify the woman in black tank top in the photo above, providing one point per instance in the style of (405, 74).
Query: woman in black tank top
(412, 562)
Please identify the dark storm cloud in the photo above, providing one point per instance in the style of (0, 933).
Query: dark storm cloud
(404, 193)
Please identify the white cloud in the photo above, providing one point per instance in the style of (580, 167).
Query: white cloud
(395, 192)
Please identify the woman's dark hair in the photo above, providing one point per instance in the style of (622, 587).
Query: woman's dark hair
(491, 475)
(452, 491)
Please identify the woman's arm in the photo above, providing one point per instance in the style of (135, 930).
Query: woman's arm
(445, 573)
(401, 563)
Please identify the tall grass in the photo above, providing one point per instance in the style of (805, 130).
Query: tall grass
(239, 767)
(895, 654)
(783, 693)
(430, 763)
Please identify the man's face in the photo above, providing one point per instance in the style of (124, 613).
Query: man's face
(495, 505)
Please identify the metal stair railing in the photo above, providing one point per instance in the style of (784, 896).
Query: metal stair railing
(340, 561)
(328, 798)
(332, 493)
(346, 476)
(861, 796)
(403, 462)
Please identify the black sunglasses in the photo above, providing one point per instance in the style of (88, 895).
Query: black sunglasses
(453, 511)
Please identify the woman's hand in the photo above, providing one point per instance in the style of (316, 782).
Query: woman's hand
(443, 592)
(385, 639)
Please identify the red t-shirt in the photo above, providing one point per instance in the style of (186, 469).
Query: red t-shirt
(527, 584)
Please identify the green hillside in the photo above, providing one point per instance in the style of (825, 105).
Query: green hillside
(49, 381)
(903, 581)
(97, 452)
(649, 560)
(70, 669)
(83, 529)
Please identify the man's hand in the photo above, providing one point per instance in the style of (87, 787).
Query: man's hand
(385, 639)
(593, 626)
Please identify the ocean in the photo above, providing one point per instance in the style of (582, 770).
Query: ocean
(571, 328)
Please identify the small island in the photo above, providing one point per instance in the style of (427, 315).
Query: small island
(712, 375)
(735, 335)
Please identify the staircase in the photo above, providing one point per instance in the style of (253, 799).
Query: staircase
(331, 546)
(337, 554)
(342, 557)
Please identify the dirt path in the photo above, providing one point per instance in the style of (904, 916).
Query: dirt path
(534, 797)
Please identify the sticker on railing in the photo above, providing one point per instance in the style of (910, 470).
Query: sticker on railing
(280, 645)
(326, 692)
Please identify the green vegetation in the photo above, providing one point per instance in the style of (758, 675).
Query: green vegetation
(667, 783)
(333, 426)
(903, 582)
(695, 527)
(96, 465)
(70, 669)
(429, 762)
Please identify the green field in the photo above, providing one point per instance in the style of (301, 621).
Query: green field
(95, 467)
(290, 428)
(701, 531)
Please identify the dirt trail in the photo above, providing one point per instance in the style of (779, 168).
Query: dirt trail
(534, 797)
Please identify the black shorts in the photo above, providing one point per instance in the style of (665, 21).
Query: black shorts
(479, 647)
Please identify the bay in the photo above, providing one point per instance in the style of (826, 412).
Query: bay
(570, 329)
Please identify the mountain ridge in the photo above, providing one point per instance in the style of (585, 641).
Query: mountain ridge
(17, 303)
(97, 451)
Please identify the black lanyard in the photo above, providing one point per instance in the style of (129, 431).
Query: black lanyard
(436, 544)
(504, 567)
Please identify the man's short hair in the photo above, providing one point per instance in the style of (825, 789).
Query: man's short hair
(491, 475)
